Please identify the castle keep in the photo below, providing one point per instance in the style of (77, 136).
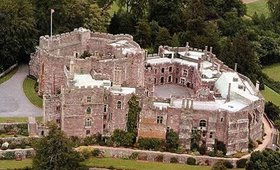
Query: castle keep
(179, 88)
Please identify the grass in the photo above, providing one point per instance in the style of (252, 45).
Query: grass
(138, 165)
(273, 71)
(28, 88)
(13, 119)
(8, 76)
(13, 164)
(271, 95)
(260, 7)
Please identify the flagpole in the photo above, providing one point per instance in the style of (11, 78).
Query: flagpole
(51, 22)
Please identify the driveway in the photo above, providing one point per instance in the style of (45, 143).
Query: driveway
(13, 102)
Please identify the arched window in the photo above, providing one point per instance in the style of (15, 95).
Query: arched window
(202, 123)
(88, 122)
(170, 79)
(119, 104)
(88, 110)
(162, 80)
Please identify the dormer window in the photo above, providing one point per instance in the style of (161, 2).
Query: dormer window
(235, 79)
(240, 87)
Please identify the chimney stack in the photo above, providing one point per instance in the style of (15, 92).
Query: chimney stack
(235, 67)
(258, 86)
(229, 89)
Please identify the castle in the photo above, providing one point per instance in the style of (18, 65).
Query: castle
(180, 88)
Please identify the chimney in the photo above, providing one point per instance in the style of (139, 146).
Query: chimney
(191, 107)
(229, 89)
(171, 100)
(188, 101)
(258, 86)
(235, 67)
(211, 49)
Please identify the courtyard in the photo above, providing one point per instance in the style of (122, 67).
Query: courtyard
(167, 90)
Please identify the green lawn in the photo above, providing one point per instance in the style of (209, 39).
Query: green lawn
(8, 76)
(28, 88)
(273, 71)
(271, 95)
(138, 165)
(259, 6)
(13, 119)
(13, 164)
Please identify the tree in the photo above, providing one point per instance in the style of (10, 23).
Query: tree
(143, 33)
(265, 160)
(274, 8)
(272, 111)
(195, 139)
(163, 37)
(172, 141)
(17, 31)
(55, 152)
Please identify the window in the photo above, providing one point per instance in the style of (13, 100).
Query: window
(162, 70)
(88, 99)
(105, 98)
(119, 105)
(88, 122)
(222, 119)
(155, 71)
(170, 79)
(235, 79)
(87, 132)
(185, 72)
(202, 123)
(183, 81)
(168, 129)
(88, 110)
(176, 80)
(211, 135)
(155, 80)
(105, 108)
(82, 71)
(204, 134)
(162, 80)
(159, 119)
(105, 117)
(104, 126)
(170, 69)
(58, 108)
(58, 121)
(177, 70)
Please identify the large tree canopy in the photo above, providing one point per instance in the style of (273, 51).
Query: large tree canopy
(55, 152)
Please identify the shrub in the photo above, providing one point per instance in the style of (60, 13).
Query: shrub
(85, 154)
(202, 149)
(122, 138)
(89, 140)
(29, 154)
(96, 152)
(22, 129)
(76, 141)
(219, 165)
(133, 156)
(228, 164)
(150, 143)
(220, 146)
(9, 155)
(4, 148)
(241, 163)
(12, 145)
(191, 161)
(172, 141)
(174, 160)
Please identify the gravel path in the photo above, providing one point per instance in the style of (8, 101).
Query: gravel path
(13, 102)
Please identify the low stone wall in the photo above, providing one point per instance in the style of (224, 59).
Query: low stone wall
(8, 70)
(24, 153)
(152, 155)
(3, 125)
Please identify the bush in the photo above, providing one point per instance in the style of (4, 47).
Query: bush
(122, 138)
(150, 143)
(12, 145)
(85, 154)
(191, 161)
(22, 129)
(172, 141)
(202, 149)
(96, 152)
(133, 156)
(228, 164)
(89, 140)
(76, 141)
(29, 154)
(241, 163)
(9, 155)
(4, 148)
(174, 160)
(219, 165)
(159, 158)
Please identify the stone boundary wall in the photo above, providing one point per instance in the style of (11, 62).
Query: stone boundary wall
(8, 70)
(25, 153)
(152, 155)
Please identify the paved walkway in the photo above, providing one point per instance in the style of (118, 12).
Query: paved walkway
(13, 102)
